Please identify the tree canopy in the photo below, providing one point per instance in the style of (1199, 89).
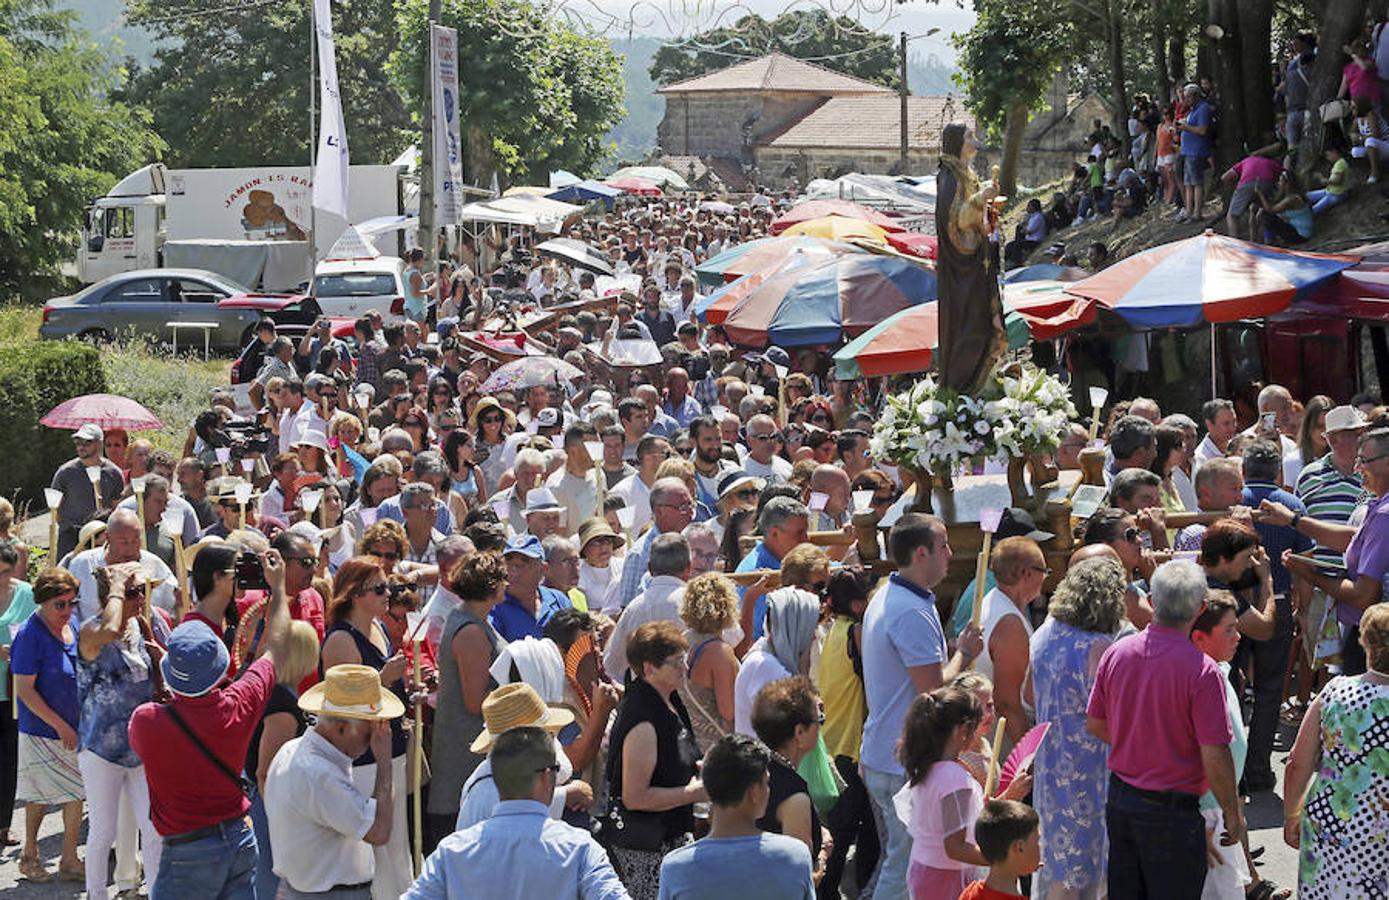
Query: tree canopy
(837, 43)
(63, 140)
(232, 88)
(563, 89)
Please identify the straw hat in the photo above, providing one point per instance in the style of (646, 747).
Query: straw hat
(515, 705)
(483, 406)
(350, 691)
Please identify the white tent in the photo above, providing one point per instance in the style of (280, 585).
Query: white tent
(546, 216)
(915, 196)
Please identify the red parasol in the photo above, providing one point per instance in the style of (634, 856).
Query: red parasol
(913, 244)
(638, 186)
(1048, 310)
(104, 410)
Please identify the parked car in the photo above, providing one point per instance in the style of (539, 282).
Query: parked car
(352, 287)
(148, 303)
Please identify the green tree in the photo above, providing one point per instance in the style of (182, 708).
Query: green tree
(63, 139)
(534, 94)
(837, 43)
(232, 87)
(1007, 62)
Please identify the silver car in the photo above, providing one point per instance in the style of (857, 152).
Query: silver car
(152, 304)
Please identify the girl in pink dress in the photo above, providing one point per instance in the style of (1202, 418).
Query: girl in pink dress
(941, 799)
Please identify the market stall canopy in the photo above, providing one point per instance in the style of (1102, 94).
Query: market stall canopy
(586, 192)
(1355, 295)
(817, 209)
(104, 410)
(561, 178)
(906, 342)
(1207, 278)
(660, 176)
(837, 228)
(764, 254)
(534, 212)
(829, 302)
(913, 196)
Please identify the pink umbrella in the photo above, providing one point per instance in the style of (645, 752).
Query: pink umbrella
(1022, 754)
(105, 410)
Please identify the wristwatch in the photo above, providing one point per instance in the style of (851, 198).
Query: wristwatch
(1297, 517)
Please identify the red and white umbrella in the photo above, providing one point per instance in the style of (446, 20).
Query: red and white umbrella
(104, 410)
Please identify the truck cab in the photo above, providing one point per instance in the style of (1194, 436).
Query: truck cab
(124, 230)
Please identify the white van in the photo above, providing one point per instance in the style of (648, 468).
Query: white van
(352, 287)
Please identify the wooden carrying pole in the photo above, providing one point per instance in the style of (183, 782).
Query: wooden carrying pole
(991, 781)
(418, 761)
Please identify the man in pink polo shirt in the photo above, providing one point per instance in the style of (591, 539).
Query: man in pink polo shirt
(1160, 705)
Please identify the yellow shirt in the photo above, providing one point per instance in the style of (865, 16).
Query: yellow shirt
(841, 691)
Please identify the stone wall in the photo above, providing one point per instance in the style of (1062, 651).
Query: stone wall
(711, 124)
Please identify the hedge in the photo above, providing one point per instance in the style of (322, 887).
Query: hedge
(36, 376)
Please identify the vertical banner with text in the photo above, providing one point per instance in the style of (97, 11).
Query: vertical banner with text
(448, 155)
(331, 166)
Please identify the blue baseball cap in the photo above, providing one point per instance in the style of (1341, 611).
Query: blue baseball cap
(526, 545)
(195, 660)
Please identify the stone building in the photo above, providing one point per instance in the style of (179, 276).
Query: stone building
(778, 118)
(1057, 138)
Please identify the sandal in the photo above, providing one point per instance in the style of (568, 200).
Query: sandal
(77, 873)
(1267, 889)
(8, 840)
(32, 869)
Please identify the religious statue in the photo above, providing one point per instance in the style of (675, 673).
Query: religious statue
(972, 336)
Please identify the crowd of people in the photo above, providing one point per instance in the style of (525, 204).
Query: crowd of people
(1169, 156)
(582, 626)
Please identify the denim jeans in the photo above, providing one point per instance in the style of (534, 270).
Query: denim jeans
(889, 880)
(1323, 200)
(1157, 845)
(219, 867)
(267, 882)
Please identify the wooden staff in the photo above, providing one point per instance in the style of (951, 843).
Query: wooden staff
(991, 781)
(1202, 517)
(416, 638)
(139, 485)
(54, 499)
(94, 475)
(148, 603)
(181, 566)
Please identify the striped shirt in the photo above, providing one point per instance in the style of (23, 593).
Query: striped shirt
(1330, 497)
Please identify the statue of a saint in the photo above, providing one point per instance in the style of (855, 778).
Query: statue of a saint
(972, 336)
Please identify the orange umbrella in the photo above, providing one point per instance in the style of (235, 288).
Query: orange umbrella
(817, 209)
(838, 228)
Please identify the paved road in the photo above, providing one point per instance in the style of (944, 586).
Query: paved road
(1264, 813)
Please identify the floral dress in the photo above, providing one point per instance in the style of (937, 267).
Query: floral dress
(1069, 771)
(1345, 825)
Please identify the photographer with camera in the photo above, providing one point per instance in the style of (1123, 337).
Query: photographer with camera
(194, 747)
(317, 338)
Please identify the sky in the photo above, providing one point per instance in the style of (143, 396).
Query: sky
(674, 18)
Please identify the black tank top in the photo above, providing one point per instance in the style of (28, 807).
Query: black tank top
(372, 656)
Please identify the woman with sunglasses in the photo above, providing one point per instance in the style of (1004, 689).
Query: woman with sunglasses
(467, 486)
(43, 659)
(440, 396)
(116, 672)
(490, 424)
(355, 635)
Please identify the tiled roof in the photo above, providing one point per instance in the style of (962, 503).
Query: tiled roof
(776, 72)
(872, 123)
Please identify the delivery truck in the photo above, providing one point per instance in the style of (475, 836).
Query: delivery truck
(251, 225)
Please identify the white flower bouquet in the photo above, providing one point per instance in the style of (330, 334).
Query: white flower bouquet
(1021, 412)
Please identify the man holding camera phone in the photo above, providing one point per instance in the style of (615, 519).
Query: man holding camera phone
(194, 747)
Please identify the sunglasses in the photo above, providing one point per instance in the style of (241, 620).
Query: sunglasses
(331, 395)
(383, 554)
(882, 501)
(747, 494)
(1131, 535)
(819, 417)
(771, 436)
(307, 562)
(377, 589)
(490, 420)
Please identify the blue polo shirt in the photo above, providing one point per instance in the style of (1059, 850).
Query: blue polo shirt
(759, 557)
(514, 622)
(1277, 538)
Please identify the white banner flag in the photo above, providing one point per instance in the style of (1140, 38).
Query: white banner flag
(330, 168)
(448, 155)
